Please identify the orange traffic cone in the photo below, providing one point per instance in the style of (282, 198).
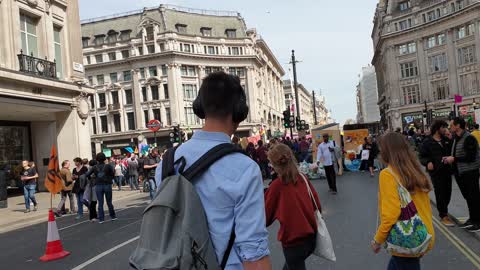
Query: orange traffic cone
(54, 245)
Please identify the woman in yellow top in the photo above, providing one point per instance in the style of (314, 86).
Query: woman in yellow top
(402, 161)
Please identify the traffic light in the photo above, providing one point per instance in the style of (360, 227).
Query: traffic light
(175, 135)
(302, 125)
(298, 122)
(288, 119)
(425, 114)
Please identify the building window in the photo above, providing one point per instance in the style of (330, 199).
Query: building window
(140, 50)
(104, 123)
(433, 15)
(112, 56)
(162, 47)
(89, 60)
(411, 95)
(115, 99)
(117, 123)
(151, 49)
(112, 36)
(465, 31)
(206, 32)
(147, 118)
(125, 54)
(28, 33)
(409, 70)
(469, 84)
(186, 48)
(165, 91)
(58, 51)
(142, 73)
(404, 5)
(155, 93)
(125, 35)
(127, 75)
(85, 42)
(113, 77)
(460, 4)
(189, 91)
(239, 71)
(92, 101)
(131, 121)
(436, 40)
(94, 125)
(90, 80)
(100, 79)
(164, 70)
(99, 58)
(405, 24)
(150, 34)
(407, 48)
(438, 63)
(209, 70)
(102, 101)
(169, 117)
(188, 71)
(181, 28)
(99, 40)
(466, 55)
(235, 51)
(144, 94)
(156, 115)
(128, 97)
(210, 49)
(231, 33)
(190, 117)
(152, 71)
(440, 90)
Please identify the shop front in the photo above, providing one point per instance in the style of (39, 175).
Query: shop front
(15, 147)
(441, 114)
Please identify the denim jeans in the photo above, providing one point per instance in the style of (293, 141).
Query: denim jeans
(104, 190)
(152, 187)
(133, 180)
(29, 194)
(118, 181)
(400, 263)
(80, 203)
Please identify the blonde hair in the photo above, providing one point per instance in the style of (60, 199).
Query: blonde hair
(397, 153)
(284, 163)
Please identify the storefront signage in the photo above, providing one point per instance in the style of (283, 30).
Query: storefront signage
(441, 114)
(414, 119)
(78, 67)
(154, 125)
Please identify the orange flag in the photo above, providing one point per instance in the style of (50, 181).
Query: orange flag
(53, 182)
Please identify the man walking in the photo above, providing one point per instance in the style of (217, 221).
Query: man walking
(231, 190)
(326, 156)
(432, 151)
(28, 177)
(66, 176)
(133, 172)
(466, 163)
(151, 163)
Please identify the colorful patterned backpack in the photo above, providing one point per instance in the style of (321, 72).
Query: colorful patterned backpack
(409, 235)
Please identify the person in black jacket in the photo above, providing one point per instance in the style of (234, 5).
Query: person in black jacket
(432, 151)
(465, 159)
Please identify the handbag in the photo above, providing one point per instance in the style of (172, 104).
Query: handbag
(409, 235)
(323, 243)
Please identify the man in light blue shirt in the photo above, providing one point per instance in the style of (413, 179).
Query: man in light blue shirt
(231, 190)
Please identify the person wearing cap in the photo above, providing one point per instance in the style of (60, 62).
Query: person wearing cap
(326, 156)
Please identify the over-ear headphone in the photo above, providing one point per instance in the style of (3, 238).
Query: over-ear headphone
(239, 110)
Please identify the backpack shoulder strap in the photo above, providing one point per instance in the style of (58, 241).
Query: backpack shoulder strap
(209, 158)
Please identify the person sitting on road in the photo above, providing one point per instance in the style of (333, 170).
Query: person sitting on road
(288, 201)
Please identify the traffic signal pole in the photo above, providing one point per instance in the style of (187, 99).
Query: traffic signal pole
(294, 66)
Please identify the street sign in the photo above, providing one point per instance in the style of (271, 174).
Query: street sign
(154, 125)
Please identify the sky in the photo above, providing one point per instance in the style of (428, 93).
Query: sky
(332, 39)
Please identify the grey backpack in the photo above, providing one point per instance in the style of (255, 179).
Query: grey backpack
(174, 232)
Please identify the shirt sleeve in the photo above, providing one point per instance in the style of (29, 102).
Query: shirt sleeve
(251, 240)
(158, 175)
(389, 204)
(319, 153)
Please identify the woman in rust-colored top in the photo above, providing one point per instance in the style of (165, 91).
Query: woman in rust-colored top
(288, 201)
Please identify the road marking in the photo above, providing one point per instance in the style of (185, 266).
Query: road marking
(103, 254)
(459, 244)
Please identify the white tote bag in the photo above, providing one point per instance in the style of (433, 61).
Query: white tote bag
(365, 154)
(323, 245)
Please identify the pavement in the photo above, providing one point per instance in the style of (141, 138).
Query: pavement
(457, 208)
(13, 217)
(351, 217)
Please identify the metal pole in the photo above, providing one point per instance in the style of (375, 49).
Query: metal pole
(291, 133)
(155, 136)
(294, 64)
(314, 109)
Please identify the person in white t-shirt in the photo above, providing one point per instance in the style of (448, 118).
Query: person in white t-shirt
(326, 156)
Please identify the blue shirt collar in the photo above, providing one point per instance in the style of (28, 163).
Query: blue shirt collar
(211, 136)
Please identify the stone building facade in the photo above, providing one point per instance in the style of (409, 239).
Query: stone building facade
(42, 89)
(367, 97)
(426, 53)
(149, 64)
